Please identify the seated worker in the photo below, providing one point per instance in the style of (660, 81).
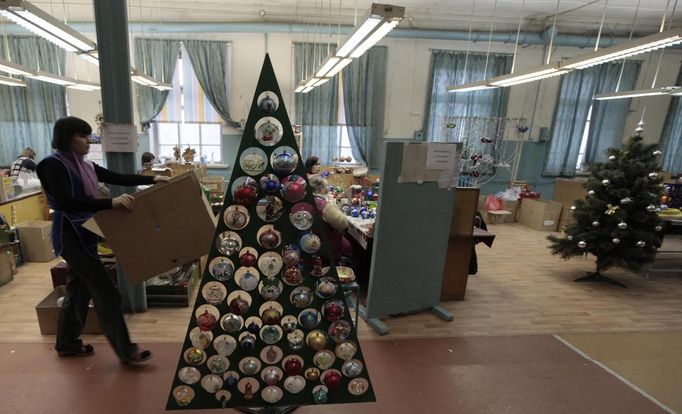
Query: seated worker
(335, 222)
(312, 166)
(24, 162)
(147, 160)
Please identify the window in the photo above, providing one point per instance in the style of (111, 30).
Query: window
(583, 143)
(343, 147)
(187, 119)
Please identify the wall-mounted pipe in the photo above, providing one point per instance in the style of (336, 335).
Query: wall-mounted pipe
(527, 38)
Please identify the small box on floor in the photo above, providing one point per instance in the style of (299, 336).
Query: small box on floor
(539, 214)
(48, 314)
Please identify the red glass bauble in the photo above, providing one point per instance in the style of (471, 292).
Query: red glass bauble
(245, 195)
(293, 275)
(333, 311)
(332, 380)
(239, 306)
(291, 257)
(293, 367)
(206, 321)
(247, 260)
(269, 239)
(375, 197)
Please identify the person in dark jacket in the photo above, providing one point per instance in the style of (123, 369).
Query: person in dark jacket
(71, 185)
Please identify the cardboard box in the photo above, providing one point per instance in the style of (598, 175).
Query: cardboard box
(171, 224)
(566, 218)
(539, 214)
(48, 315)
(36, 240)
(567, 190)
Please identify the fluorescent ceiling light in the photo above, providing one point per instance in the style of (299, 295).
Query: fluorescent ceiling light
(635, 47)
(469, 87)
(85, 86)
(37, 21)
(307, 89)
(142, 79)
(52, 78)
(7, 81)
(164, 86)
(300, 87)
(91, 57)
(310, 83)
(321, 81)
(638, 93)
(327, 66)
(380, 20)
(528, 75)
(15, 69)
(340, 65)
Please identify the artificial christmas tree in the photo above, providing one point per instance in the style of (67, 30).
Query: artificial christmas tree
(617, 221)
(270, 327)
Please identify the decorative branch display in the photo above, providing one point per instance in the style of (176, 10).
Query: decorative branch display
(270, 326)
(617, 222)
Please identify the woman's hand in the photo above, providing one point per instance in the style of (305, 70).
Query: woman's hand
(124, 200)
(161, 179)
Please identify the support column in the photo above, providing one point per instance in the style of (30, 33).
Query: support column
(111, 21)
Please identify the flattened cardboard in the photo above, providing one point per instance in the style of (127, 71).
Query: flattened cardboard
(170, 224)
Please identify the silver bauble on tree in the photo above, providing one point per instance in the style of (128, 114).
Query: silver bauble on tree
(651, 208)
(656, 153)
(622, 225)
(591, 192)
(595, 224)
(641, 243)
(658, 228)
(653, 175)
(582, 244)
(615, 240)
(626, 200)
(612, 158)
(605, 182)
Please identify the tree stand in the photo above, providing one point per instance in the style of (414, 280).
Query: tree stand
(598, 277)
(269, 410)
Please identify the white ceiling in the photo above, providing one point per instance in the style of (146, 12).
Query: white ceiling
(575, 16)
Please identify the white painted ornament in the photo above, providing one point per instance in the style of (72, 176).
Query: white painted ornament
(641, 243)
(591, 192)
(595, 224)
(612, 158)
(615, 240)
(582, 244)
(605, 182)
(622, 225)
(653, 175)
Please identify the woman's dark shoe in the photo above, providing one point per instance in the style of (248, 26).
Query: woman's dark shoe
(86, 350)
(137, 357)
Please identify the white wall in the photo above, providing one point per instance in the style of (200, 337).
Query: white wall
(407, 78)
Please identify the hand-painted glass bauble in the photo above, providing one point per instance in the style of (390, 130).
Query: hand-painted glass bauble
(289, 324)
(324, 359)
(236, 219)
(293, 367)
(271, 288)
(231, 381)
(622, 225)
(250, 366)
(194, 356)
(247, 259)
(269, 239)
(293, 188)
(284, 163)
(183, 395)
(331, 379)
(218, 364)
(326, 287)
(222, 270)
(247, 342)
(271, 355)
(248, 281)
(293, 276)
(239, 306)
(245, 195)
(231, 323)
(320, 396)
(294, 384)
(302, 297)
(358, 386)
(267, 105)
(253, 327)
(309, 319)
(333, 311)
(248, 391)
(211, 383)
(271, 316)
(271, 394)
(189, 375)
(268, 131)
(346, 350)
(295, 339)
(310, 243)
(291, 256)
(316, 340)
(582, 244)
(229, 246)
(339, 331)
(206, 321)
(312, 374)
(271, 375)
(352, 368)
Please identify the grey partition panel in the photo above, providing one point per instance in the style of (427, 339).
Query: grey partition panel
(410, 242)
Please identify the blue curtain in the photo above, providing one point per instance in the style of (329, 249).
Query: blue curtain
(607, 124)
(448, 68)
(671, 138)
(364, 91)
(156, 58)
(27, 114)
(210, 62)
(317, 110)
(575, 98)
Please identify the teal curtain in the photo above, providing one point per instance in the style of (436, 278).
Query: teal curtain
(573, 104)
(317, 110)
(607, 124)
(459, 68)
(671, 138)
(156, 58)
(27, 114)
(210, 62)
(364, 91)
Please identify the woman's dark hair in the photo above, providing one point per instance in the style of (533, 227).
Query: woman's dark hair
(65, 129)
(147, 157)
(310, 162)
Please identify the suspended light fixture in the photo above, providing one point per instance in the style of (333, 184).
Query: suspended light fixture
(527, 75)
(164, 86)
(667, 90)
(85, 86)
(8, 81)
(15, 69)
(92, 57)
(470, 87)
(142, 79)
(37, 21)
(300, 87)
(332, 66)
(380, 20)
(53, 78)
(635, 47)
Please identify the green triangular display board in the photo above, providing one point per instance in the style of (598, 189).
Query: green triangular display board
(270, 326)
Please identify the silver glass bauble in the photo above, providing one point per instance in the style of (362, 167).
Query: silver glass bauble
(615, 240)
(641, 243)
(591, 192)
(612, 157)
(656, 153)
(622, 225)
(651, 208)
(626, 200)
(595, 224)
(658, 228)
(605, 182)
(653, 175)
(582, 244)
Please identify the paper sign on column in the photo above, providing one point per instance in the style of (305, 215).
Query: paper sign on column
(119, 138)
(441, 155)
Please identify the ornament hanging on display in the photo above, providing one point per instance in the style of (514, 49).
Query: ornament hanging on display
(615, 240)
(569, 237)
(656, 153)
(612, 157)
(658, 228)
(595, 224)
(653, 175)
(622, 225)
(590, 193)
(270, 326)
(582, 244)
(641, 243)
(605, 182)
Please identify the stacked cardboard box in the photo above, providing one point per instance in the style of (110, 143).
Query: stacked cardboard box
(539, 214)
(566, 191)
